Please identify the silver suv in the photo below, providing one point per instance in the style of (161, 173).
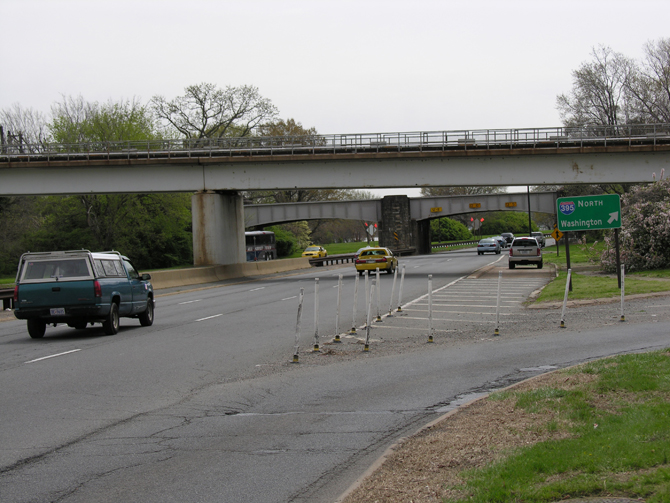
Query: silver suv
(525, 251)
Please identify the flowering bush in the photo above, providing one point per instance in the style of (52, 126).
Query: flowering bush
(644, 238)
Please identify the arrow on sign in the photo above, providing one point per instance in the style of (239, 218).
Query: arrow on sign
(613, 216)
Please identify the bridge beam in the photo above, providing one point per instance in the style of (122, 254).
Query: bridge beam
(218, 228)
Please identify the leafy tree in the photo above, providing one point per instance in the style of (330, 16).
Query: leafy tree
(206, 111)
(77, 121)
(506, 221)
(447, 229)
(286, 242)
(645, 229)
(153, 229)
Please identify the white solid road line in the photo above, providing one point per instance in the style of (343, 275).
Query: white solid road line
(210, 317)
(53, 356)
(190, 302)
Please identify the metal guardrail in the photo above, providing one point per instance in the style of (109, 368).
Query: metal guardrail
(447, 245)
(345, 258)
(7, 296)
(281, 146)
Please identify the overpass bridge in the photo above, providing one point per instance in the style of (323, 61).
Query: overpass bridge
(412, 231)
(216, 169)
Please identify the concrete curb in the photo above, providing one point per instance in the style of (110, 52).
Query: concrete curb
(380, 461)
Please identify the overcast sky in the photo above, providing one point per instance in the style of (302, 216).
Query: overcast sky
(340, 66)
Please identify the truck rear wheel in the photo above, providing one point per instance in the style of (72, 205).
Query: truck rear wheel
(111, 324)
(36, 328)
(147, 317)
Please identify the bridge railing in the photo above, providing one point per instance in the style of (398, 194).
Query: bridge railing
(552, 137)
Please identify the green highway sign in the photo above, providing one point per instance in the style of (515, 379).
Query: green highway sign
(586, 213)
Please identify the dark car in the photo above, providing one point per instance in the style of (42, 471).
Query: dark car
(539, 237)
(509, 237)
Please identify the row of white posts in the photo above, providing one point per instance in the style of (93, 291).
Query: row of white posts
(370, 288)
(567, 287)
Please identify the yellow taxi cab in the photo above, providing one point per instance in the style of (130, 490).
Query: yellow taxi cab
(376, 257)
(314, 251)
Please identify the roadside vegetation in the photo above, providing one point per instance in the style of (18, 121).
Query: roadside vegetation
(608, 424)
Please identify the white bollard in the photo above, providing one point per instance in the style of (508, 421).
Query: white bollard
(379, 300)
(565, 298)
(402, 281)
(369, 314)
(316, 314)
(430, 308)
(623, 317)
(366, 274)
(297, 326)
(395, 276)
(353, 320)
(337, 316)
(497, 330)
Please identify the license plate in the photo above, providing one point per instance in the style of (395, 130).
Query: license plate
(525, 252)
(369, 261)
(57, 311)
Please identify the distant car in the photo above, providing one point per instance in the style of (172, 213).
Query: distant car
(539, 237)
(525, 251)
(380, 258)
(501, 240)
(313, 251)
(509, 237)
(488, 245)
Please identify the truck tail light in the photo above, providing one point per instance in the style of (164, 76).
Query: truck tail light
(16, 294)
(511, 252)
(539, 251)
(97, 290)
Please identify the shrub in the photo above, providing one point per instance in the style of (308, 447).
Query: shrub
(644, 238)
(446, 229)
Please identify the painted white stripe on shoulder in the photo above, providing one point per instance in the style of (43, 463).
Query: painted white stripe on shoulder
(53, 356)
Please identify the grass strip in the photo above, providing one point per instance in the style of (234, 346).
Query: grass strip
(616, 428)
(598, 287)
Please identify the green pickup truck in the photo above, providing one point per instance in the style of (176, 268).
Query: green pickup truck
(79, 287)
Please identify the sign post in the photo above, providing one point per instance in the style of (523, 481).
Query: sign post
(587, 213)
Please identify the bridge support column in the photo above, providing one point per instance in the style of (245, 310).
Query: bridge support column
(218, 228)
(396, 227)
(423, 237)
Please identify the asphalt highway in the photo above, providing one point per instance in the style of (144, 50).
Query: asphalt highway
(205, 406)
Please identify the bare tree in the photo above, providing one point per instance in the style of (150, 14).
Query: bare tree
(23, 126)
(650, 89)
(461, 191)
(206, 111)
(600, 91)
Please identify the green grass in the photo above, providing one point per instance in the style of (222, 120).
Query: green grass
(616, 437)
(579, 254)
(598, 287)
